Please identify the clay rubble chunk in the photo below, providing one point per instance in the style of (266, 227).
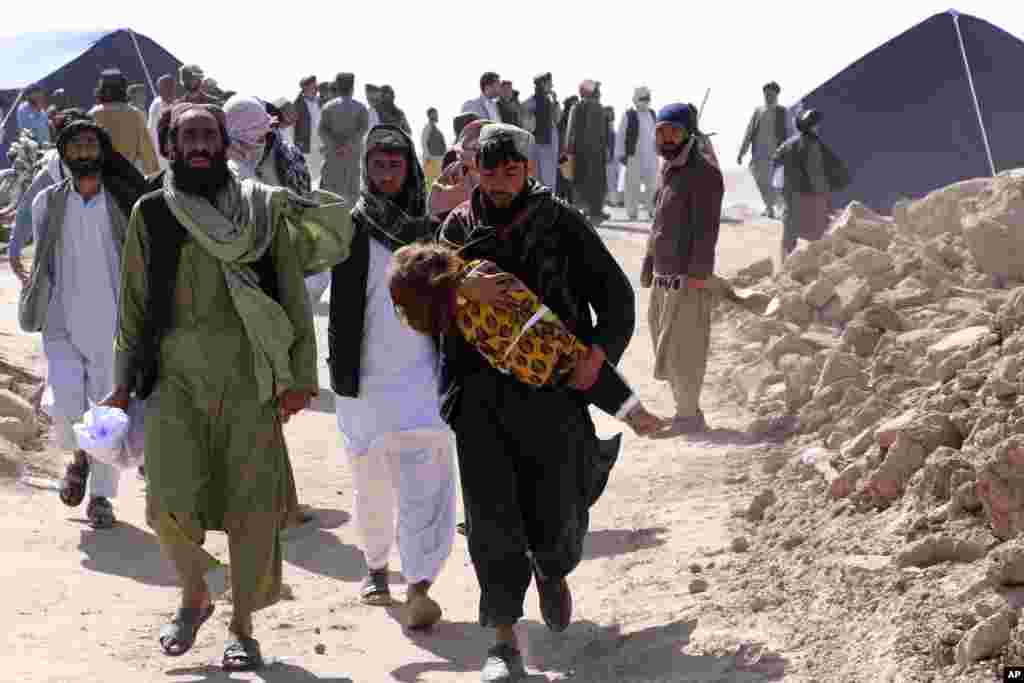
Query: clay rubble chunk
(986, 639)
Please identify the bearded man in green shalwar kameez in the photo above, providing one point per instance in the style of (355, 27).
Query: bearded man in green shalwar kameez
(216, 333)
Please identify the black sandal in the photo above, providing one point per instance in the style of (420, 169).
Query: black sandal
(100, 513)
(183, 629)
(375, 590)
(242, 654)
(72, 488)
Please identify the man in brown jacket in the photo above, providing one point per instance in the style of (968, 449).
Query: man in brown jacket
(125, 123)
(680, 260)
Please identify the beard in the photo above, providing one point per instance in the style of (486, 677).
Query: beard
(670, 152)
(205, 182)
(85, 168)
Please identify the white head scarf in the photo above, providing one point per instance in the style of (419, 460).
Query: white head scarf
(248, 123)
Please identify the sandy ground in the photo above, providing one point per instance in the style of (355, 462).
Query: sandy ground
(82, 605)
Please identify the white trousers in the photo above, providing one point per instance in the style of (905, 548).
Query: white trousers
(411, 473)
(76, 379)
(639, 187)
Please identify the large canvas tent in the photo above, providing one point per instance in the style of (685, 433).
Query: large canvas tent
(935, 105)
(73, 61)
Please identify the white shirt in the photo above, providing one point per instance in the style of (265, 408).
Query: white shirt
(646, 158)
(84, 305)
(398, 380)
(156, 110)
(313, 107)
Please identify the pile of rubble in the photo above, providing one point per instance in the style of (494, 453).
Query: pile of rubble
(896, 347)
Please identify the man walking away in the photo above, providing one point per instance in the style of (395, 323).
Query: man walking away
(765, 132)
(587, 146)
(125, 123)
(343, 126)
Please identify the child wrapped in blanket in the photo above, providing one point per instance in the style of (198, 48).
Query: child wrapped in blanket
(434, 290)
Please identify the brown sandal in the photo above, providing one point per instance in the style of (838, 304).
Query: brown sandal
(72, 488)
(375, 590)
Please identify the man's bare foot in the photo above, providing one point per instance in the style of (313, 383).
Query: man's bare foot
(422, 611)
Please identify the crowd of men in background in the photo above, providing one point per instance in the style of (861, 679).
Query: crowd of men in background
(206, 282)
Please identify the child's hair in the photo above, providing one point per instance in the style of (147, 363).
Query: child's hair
(422, 280)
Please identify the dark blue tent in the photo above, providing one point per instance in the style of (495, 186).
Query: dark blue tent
(905, 116)
(73, 61)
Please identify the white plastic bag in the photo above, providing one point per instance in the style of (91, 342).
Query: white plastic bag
(101, 433)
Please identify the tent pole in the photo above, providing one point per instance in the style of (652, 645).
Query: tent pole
(145, 68)
(974, 93)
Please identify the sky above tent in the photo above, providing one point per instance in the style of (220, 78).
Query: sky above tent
(27, 57)
(433, 53)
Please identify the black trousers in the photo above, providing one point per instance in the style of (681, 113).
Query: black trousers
(526, 485)
(610, 392)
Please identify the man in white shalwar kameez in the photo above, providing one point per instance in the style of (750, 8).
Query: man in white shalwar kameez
(386, 379)
(79, 229)
(635, 148)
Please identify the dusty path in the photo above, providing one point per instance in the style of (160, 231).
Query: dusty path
(85, 606)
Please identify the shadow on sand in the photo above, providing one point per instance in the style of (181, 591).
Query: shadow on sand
(276, 672)
(593, 653)
(323, 553)
(613, 542)
(128, 551)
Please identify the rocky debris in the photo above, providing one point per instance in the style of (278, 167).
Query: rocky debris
(320, 649)
(698, 586)
(937, 549)
(740, 544)
(986, 639)
(761, 502)
(1006, 564)
(897, 345)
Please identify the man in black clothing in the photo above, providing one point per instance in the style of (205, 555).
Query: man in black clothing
(530, 461)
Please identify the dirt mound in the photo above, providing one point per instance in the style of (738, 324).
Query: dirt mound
(895, 344)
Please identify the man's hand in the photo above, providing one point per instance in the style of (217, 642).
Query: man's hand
(647, 272)
(293, 401)
(492, 290)
(19, 270)
(120, 397)
(587, 370)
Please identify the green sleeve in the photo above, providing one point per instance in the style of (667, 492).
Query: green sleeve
(132, 302)
(292, 295)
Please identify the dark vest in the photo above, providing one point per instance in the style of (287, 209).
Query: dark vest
(435, 143)
(347, 321)
(633, 130)
(166, 237)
